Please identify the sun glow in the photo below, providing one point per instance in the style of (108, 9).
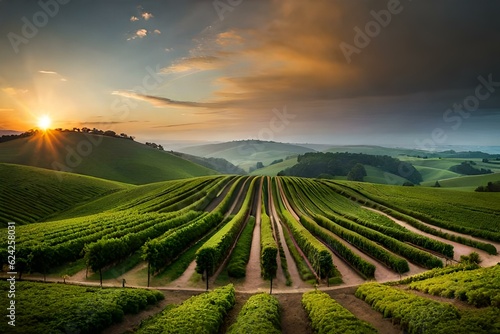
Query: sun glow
(44, 122)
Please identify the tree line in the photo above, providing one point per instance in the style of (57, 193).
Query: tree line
(349, 164)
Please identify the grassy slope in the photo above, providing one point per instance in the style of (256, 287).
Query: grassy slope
(273, 170)
(30, 194)
(113, 201)
(475, 210)
(246, 154)
(376, 175)
(110, 158)
(467, 182)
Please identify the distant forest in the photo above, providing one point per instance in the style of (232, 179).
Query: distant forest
(467, 168)
(351, 165)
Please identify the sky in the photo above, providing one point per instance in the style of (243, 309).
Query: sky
(408, 73)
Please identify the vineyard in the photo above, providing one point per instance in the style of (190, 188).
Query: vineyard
(205, 233)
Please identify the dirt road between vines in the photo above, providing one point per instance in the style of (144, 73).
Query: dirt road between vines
(294, 319)
(459, 249)
(382, 272)
(292, 267)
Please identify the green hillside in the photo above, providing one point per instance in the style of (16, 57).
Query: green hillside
(30, 194)
(376, 175)
(273, 170)
(134, 194)
(100, 156)
(459, 209)
(247, 153)
(467, 182)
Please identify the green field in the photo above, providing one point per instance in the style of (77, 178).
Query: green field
(100, 156)
(157, 230)
(274, 169)
(459, 209)
(30, 194)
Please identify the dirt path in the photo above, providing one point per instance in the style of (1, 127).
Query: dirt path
(221, 267)
(292, 267)
(220, 196)
(297, 218)
(382, 272)
(132, 321)
(183, 280)
(363, 311)
(253, 279)
(459, 249)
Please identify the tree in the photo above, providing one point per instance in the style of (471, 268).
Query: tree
(259, 165)
(437, 185)
(95, 257)
(357, 173)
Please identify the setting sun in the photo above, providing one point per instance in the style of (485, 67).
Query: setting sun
(44, 122)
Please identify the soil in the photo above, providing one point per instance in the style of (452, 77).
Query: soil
(292, 268)
(294, 319)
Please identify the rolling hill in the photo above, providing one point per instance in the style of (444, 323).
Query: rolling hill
(247, 153)
(30, 194)
(100, 156)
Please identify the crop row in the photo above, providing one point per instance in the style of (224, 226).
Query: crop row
(199, 314)
(162, 250)
(382, 206)
(436, 272)
(427, 206)
(268, 246)
(370, 229)
(415, 255)
(317, 253)
(106, 251)
(60, 308)
(394, 262)
(236, 266)
(328, 316)
(359, 236)
(480, 287)
(260, 314)
(366, 268)
(214, 251)
(392, 243)
(422, 315)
